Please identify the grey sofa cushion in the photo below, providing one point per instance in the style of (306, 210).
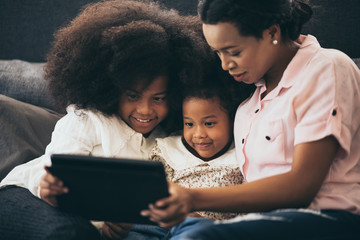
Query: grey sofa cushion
(25, 131)
(24, 81)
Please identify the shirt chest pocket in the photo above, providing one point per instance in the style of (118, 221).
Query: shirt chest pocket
(266, 143)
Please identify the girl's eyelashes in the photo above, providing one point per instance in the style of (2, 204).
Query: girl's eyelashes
(207, 124)
(160, 99)
(132, 96)
(210, 124)
(188, 124)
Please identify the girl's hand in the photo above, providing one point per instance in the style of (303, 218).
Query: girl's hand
(50, 188)
(173, 210)
(116, 230)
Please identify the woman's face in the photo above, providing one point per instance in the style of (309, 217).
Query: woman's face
(247, 59)
(207, 126)
(143, 109)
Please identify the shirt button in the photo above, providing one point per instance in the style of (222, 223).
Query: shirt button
(257, 110)
(334, 112)
(242, 141)
(267, 138)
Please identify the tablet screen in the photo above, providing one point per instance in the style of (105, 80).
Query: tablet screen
(109, 189)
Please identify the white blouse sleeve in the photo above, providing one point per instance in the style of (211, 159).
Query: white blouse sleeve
(74, 133)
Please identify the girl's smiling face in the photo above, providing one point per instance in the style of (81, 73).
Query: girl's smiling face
(207, 126)
(143, 109)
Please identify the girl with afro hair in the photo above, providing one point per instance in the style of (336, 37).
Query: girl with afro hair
(117, 69)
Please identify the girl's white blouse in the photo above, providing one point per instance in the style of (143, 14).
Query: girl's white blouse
(84, 132)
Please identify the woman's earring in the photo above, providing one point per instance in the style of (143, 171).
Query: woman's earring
(275, 42)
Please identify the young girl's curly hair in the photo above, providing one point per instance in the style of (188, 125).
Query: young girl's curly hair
(217, 83)
(113, 45)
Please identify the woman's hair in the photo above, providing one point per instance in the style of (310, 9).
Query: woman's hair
(217, 83)
(112, 46)
(252, 17)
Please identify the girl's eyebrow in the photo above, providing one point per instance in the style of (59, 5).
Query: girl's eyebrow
(161, 93)
(137, 92)
(132, 90)
(209, 116)
(206, 117)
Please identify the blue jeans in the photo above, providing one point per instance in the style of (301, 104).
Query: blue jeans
(152, 232)
(190, 223)
(25, 216)
(147, 232)
(282, 224)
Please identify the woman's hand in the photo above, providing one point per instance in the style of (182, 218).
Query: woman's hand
(50, 188)
(116, 230)
(173, 210)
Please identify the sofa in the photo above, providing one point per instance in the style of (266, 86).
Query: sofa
(28, 113)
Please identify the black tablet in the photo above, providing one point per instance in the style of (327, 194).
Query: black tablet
(109, 189)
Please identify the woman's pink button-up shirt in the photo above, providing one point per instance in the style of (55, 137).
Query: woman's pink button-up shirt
(317, 96)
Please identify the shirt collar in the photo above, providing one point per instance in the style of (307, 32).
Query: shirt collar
(308, 48)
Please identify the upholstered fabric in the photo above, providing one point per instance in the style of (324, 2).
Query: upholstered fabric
(24, 81)
(25, 130)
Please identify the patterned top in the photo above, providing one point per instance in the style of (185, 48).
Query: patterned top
(192, 172)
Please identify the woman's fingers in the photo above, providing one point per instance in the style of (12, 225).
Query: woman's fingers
(170, 216)
(116, 230)
(170, 211)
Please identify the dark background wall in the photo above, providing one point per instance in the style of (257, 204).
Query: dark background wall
(335, 24)
(27, 26)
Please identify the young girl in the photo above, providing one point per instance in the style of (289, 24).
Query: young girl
(114, 67)
(203, 155)
(296, 138)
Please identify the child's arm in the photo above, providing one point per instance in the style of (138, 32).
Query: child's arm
(50, 188)
(296, 188)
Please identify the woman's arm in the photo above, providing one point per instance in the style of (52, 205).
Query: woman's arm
(296, 188)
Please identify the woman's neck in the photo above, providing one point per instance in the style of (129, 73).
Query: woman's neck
(274, 75)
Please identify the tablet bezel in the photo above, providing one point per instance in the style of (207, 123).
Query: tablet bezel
(92, 183)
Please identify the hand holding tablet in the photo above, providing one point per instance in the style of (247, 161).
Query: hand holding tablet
(109, 189)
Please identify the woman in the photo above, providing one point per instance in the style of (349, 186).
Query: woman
(296, 137)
